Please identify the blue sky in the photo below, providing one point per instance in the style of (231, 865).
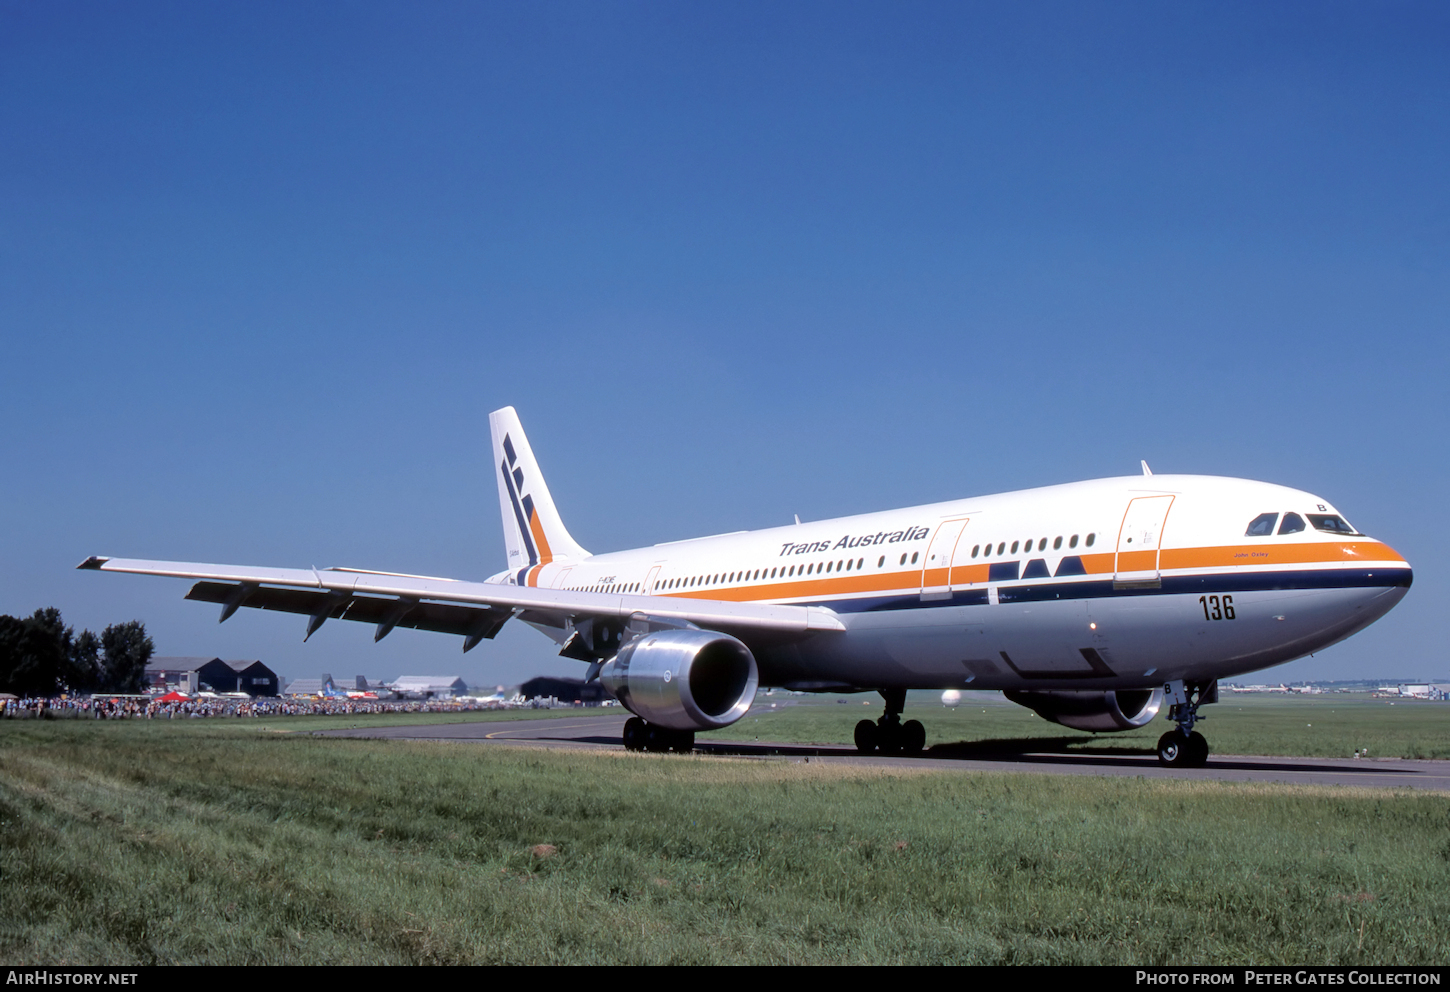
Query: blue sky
(266, 267)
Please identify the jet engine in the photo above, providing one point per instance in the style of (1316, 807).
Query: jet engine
(684, 679)
(1123, 709)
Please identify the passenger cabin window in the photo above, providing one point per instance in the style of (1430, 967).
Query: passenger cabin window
(1331, 523)
(1293, 524)
(1262, 525)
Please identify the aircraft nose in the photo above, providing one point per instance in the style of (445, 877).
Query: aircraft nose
(1405, 576)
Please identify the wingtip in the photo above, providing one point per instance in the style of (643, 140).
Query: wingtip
(94, 562)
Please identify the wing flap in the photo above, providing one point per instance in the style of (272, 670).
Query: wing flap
(445, 618)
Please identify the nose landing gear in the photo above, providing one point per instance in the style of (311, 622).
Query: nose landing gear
(1185, 747)
(1179, 750)
(889, 735)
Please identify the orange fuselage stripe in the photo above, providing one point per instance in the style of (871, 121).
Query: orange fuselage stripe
(1094, 564)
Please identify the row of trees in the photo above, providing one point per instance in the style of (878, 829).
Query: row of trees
(41, 656)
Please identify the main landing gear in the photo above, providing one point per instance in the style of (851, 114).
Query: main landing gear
(1184, 747)
(642, 736)
(889, 735)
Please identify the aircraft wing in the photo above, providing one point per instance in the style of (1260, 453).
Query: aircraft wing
(474, 610)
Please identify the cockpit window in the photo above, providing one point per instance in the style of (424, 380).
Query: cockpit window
(1331, 523)
(1293, 524)
(1262, 525)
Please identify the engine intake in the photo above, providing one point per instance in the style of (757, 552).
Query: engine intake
(684, 679)
(1124, 709)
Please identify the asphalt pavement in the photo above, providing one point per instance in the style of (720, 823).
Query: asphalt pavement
(1047, 756)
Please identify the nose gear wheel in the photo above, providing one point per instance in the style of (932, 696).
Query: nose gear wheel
(1179, 750)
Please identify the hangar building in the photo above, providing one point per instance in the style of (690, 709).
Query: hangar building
(213, 674)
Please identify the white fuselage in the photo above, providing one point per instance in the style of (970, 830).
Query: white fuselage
(1108, 584)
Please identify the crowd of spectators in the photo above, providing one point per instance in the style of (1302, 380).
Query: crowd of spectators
(106, 707)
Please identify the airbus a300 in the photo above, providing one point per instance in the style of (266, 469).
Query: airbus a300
(1096, 604)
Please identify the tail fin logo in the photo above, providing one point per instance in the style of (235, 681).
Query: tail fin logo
(534, 535)
(531, 529)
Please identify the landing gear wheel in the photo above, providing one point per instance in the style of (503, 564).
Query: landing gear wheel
(866, 737)
(663, 739)
(913, 737)
(888, 738)
(1197, 747)
(634, 732)
(640, 735)
(1186, 747)
(1173, 749)
(889, 735)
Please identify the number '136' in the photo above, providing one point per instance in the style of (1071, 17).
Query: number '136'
(1217, 607)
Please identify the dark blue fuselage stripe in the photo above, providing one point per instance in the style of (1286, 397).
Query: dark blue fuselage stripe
(1337, 578)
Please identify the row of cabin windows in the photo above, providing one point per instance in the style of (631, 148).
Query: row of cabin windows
(780, 571)
(1026, 547)
(1041, 543)
(820, 568)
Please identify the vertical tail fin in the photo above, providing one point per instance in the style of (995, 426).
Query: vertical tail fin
(532, 529)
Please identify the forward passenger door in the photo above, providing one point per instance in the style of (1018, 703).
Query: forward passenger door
(1139, 539)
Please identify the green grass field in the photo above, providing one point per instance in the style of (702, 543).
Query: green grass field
(225, 842)
(1332, 725)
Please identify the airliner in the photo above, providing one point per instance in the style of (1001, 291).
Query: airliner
(1098, 605)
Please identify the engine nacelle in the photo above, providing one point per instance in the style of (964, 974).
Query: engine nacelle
(1124, 709)
(684, 679)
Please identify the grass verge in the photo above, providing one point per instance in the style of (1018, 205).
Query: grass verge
(217, 843)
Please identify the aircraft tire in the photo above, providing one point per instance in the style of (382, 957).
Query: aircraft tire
(634, 734)
(1173, 750)
(1197, 750)
(913, 737)
(866, 737)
